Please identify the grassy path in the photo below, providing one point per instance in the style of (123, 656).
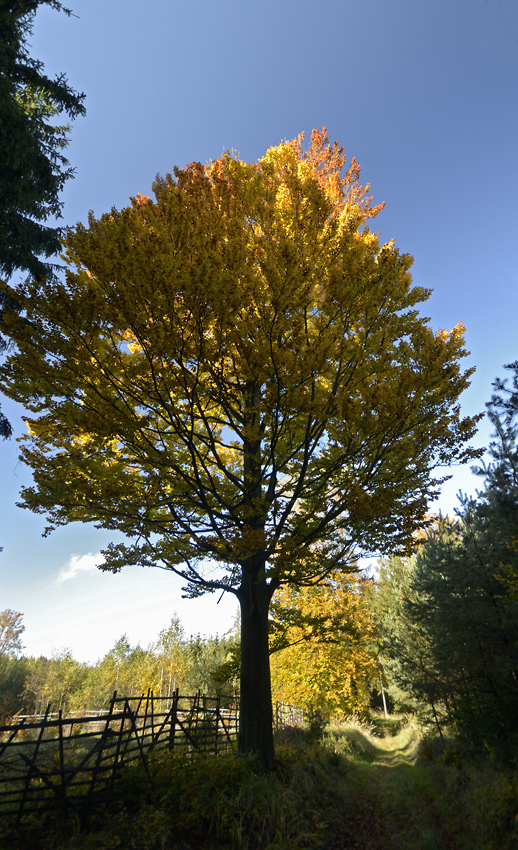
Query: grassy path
(395, 803)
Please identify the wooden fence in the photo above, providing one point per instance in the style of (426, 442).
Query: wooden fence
(64, 762)
(285, 714)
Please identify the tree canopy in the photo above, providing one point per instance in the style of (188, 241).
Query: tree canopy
(237, 374)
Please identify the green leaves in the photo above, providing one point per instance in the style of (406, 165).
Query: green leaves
(33, 168)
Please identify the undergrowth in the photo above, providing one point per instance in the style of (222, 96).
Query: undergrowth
(352, 790)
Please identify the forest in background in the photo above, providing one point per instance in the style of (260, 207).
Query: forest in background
(29, 684)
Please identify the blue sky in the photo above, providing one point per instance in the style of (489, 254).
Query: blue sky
(423, 93)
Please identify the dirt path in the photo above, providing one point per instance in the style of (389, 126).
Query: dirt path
(393, 752)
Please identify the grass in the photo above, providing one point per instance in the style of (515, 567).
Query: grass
(380, 786)
(410, 793)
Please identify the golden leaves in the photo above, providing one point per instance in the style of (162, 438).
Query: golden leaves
(235, 276)
(323, 648)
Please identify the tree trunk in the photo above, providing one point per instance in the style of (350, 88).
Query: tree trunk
(385, 712)
(255, 707)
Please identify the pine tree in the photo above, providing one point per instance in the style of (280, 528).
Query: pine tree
(33, 167)
(450, 628)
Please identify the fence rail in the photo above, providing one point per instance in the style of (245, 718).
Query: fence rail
(62, 762)
(285, 714)
(50, 761)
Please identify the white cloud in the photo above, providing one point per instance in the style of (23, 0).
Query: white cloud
(80, 564)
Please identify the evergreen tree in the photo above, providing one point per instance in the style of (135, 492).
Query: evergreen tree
(449, 619)
(205, 658)
(404, 648)
(33, 168)
(13, 676)
(500, 495)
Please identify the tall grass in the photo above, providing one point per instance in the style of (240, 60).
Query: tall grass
(352, 790)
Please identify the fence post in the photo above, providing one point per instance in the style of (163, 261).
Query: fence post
(173, 711)
(216, 725)
(62, 759)
(103, 738)
(133, 721)
(152, 715)
(31, 765)
(119, 744)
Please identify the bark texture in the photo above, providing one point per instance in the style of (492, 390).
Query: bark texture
(255, 714)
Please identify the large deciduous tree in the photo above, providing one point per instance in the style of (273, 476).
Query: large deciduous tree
(237, 378)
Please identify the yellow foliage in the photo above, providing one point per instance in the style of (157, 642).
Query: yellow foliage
(329, 657)
(237, 370)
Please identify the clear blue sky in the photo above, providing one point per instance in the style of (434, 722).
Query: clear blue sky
(424, 94)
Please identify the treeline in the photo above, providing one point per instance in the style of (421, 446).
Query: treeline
(447, 616)
(29, 684)
(323, 657)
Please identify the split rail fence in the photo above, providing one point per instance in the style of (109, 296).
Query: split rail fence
(50, 761)
(57, 762)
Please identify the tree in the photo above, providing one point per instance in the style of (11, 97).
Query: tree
(237, 378)
(57, 681)
(323, 645)
(456, 639)
(11, 629)
(500, 493)
(406, 633)
(205, 658)
(33, 168)
(170, 652)
(13, 675)
(121, 669)
(449, 615)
